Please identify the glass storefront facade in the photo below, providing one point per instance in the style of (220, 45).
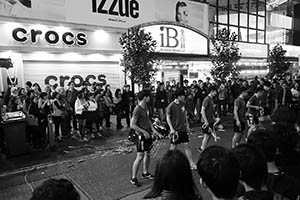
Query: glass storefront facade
(247, 18)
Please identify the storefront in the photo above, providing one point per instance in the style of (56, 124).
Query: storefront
(58, 41)
(49, 54)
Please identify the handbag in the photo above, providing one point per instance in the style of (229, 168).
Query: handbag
(32, 120)
(132, 136)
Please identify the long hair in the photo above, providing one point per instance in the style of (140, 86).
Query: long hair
(173, 174)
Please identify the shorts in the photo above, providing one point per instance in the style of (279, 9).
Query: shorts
(206, 130)
(237, 129)
(143, 144)
(182, 138)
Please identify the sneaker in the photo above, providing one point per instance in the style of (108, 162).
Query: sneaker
(92, 135)
(147, 176)
(85, 139)
(135, 182)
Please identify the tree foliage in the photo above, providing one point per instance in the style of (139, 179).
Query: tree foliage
(225, 54)
(278, 64)
(138, 55)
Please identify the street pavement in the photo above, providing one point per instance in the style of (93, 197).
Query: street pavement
(100, 169)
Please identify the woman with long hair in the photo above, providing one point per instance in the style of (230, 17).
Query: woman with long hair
(173, 178)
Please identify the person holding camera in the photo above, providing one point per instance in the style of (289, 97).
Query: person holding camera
(140, 122)
(179, 126)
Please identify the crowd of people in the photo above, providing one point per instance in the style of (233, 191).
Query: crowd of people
(266, 166)
(82, 113)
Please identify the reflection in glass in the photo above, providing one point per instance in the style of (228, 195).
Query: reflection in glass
(252, 35)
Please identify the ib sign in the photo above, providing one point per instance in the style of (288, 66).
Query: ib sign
(178, 39)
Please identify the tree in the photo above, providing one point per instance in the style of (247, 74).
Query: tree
(278, 64)
(138, 55)
(225, 54)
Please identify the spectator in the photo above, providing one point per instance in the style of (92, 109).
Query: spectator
(219, 171)
(254, 173)
(239, 117)
(277, 180)
(71, 95)
(161, 101)
(118, 109)
(55, 189)
(81, 107)
(173, 178)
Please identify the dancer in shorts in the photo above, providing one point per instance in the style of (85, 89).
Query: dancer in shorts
(239, 117)
(179, 126)
(207, 112)
(140, 122)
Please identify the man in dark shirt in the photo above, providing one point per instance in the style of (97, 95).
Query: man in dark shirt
(239, 117)
(71, 95)
(207, 112)
(254, 107)
(140, 122)
(178, 123)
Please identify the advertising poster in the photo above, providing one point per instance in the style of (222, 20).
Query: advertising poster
(53, 10)
(191, 13)
(110, 13)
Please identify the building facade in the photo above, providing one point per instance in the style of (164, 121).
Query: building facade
(54, 42)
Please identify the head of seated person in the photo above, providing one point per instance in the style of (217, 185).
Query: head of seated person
(173, 178)
(219, 172)
(54, 189)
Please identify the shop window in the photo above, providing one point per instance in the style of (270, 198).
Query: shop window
(252, 35)
(243, 35)
(261, 37)
(243, 19)
(253, 7)
(212, 14)
(252, 21)
(223, 15)
(261, 23)
(244, 5)
(233, 18)
(234, 4)
(261, 7)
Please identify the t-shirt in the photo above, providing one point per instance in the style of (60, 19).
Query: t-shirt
(241, 111)
(253, 101)
(142, 117)
(208, 104)
(177, 115)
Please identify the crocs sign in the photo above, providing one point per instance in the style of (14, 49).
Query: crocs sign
(50, 36)
(77, 79)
